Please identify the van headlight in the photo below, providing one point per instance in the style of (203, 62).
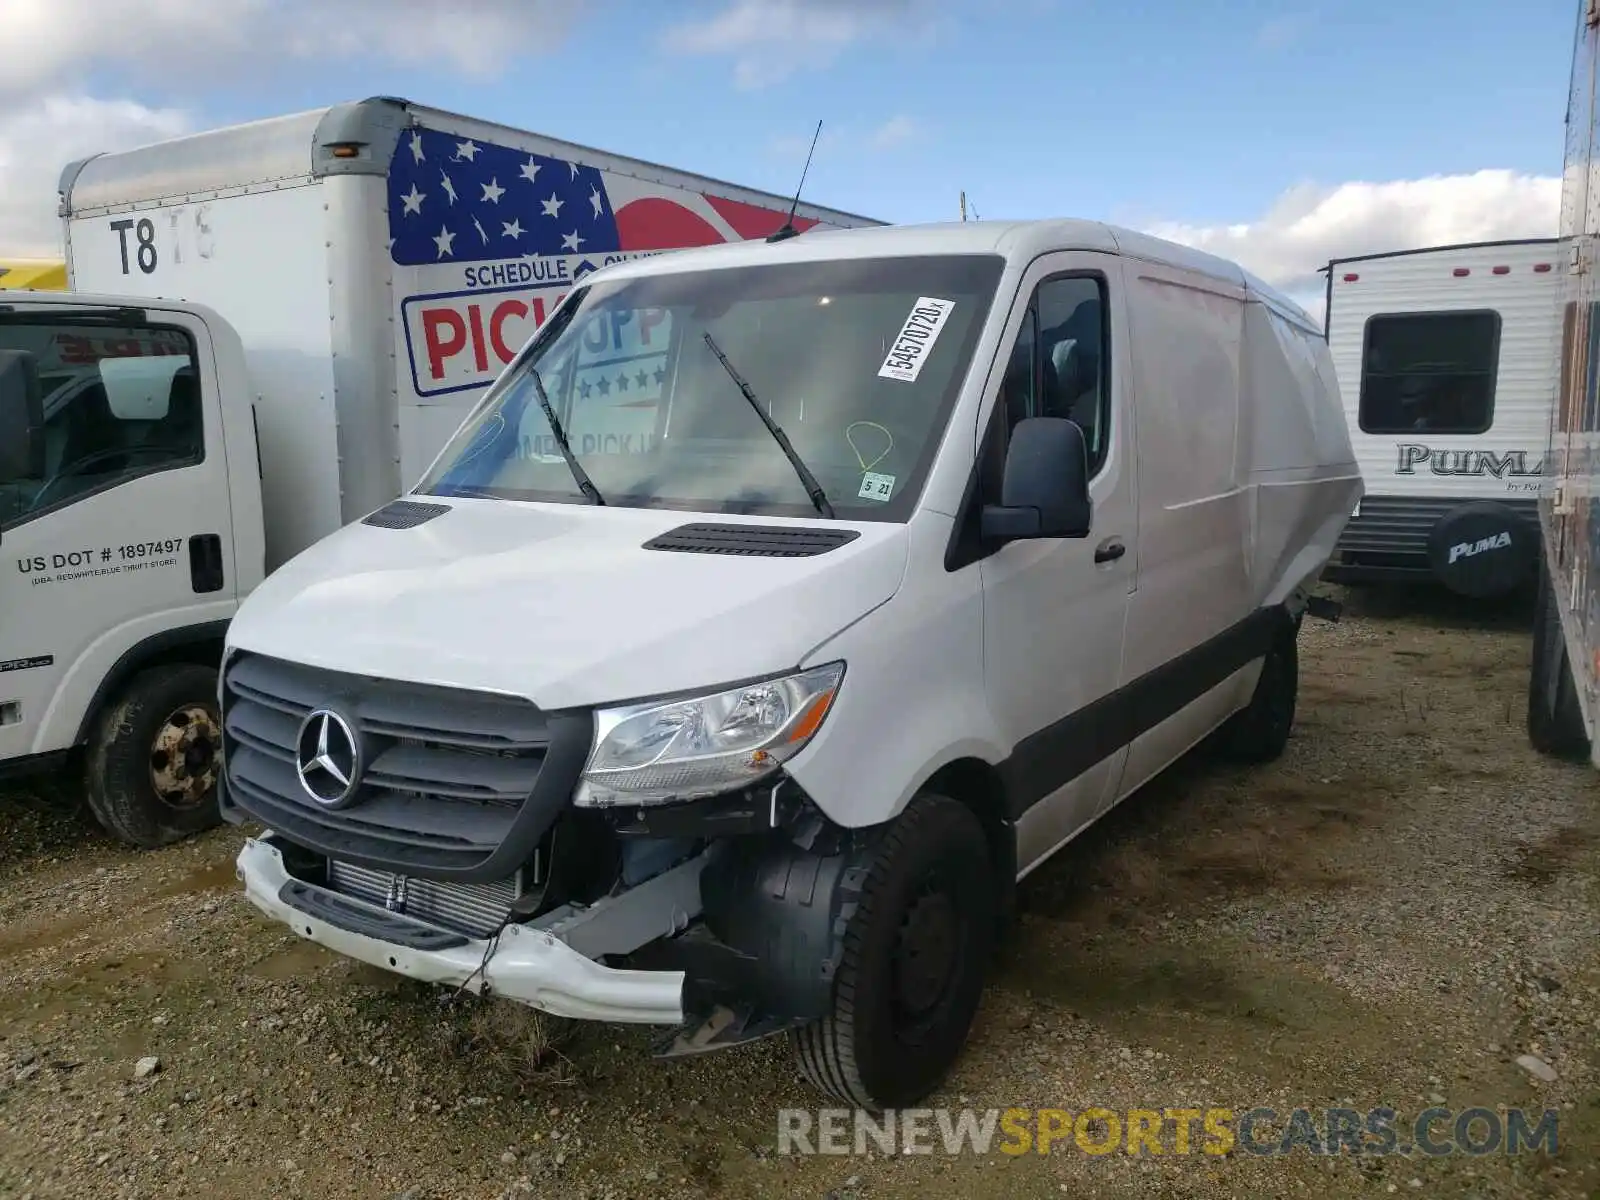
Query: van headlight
(693, 746)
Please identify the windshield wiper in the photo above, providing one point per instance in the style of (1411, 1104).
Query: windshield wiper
(585, 484)
(813, 488)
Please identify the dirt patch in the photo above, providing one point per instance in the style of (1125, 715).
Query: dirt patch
(1547, 858)
(1389, 915)
(1204, 834)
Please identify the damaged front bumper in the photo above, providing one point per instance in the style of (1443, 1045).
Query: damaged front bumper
(549, 964)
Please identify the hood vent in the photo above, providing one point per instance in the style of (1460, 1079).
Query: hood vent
(404, 514)
(752, 541)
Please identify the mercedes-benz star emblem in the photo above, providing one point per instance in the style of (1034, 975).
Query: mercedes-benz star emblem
(328, 758)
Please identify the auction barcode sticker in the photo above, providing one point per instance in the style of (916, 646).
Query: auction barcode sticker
(916, 338)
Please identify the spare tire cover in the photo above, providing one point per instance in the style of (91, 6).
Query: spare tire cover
(1482, 548)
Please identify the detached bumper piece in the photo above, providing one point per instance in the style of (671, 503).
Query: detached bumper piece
(734, 943)
(549, 964)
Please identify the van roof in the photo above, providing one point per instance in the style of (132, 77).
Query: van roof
(1014, 240)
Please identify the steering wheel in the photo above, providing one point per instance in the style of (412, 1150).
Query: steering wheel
(79, 466)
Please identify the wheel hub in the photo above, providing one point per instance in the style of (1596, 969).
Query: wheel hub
(184, 757)
(925, 953)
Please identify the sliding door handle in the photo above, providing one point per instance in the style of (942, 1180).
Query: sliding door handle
(1109, 550)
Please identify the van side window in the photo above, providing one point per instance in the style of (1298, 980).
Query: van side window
(1057, 366)
(1071, 347)
(1429, 372)
(120, 402)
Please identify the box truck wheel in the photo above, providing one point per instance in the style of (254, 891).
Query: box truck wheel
(1555, 718)
(1259, 732)
(916, 951)
(154, 756)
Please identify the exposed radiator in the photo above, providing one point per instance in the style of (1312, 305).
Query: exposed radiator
(475, 909)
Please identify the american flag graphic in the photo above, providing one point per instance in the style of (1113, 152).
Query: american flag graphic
(455, 199)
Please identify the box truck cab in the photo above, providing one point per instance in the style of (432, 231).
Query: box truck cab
(130, 523)
(1445, 361)
(942, 542)
(353, 279)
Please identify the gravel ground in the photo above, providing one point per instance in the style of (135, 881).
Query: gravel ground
(1390, 915)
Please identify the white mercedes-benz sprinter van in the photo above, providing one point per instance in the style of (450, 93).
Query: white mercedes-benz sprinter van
(776, 610)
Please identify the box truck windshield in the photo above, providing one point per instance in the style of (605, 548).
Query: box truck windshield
(856, 361)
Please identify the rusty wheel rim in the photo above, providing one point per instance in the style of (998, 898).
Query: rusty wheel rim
(184, 757)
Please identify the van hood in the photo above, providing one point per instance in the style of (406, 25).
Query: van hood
(562, 604)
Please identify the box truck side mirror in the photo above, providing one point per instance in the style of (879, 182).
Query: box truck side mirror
(1044, 492)
(21, 418)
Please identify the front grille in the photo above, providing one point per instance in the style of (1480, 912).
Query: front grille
(456, 785)
(475, 909)
(1392, 531)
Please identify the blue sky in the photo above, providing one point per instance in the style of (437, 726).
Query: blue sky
(1203, 111)
(1177, 116)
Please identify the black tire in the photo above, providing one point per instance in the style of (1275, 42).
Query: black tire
(1555, 718)
(933, 869)
(1496, 549)
(1258, 732)
(154, 757)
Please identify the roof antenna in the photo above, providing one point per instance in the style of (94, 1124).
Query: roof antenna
(788, 230)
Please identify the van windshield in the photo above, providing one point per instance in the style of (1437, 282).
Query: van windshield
(858, 361)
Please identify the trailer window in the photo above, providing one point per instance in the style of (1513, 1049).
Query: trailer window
(1429, 372)
(120, 402)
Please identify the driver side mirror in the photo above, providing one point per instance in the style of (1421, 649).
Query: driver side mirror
(21, 418)
(1044, 492)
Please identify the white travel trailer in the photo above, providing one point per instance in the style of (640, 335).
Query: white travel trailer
(946, 540)
(1444, 363)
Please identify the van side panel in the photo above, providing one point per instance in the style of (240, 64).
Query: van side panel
(1192, 506)
(1193, 584)
(261, 260)
(1292, 434)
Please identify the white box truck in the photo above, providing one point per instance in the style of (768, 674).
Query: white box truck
(273, 329)
(1444, 363)
(947, 540)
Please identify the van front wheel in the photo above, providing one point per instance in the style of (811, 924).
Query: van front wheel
(154, 756)
(912, 971)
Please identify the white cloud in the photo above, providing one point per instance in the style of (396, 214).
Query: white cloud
(1310, 224)
(894, 132)
(769, 40)
(1281, 32)
(47, 40)
(853, 141)
(37, 140)
(47, 118)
